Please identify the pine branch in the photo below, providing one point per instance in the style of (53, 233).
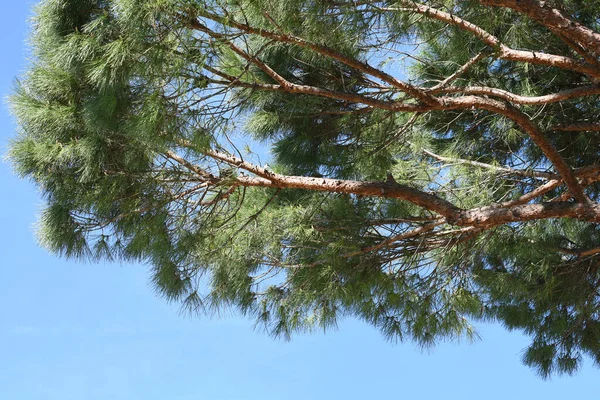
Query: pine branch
(505, 170)
(364, 67)
(569, 94)
(531, 129)
(494, 216)
(580, 127)
(290, 87)
(503, 52)
(464, 68)
(553, 19)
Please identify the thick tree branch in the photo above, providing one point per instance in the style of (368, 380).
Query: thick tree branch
(507, 212)
(491, 215)
(449, 103)
(267, 178)
(581, 253)
(478, 217)
(442, 103)
(554, 20)
(568, 94)
(503, 52)
(592, 127)
(385, 189)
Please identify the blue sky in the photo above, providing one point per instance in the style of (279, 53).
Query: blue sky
(97, 331)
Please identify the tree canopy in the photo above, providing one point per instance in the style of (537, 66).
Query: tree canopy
(432, 162)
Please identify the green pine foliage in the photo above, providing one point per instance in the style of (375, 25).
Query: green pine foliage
(120, 90)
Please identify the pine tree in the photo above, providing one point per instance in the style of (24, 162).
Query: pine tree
(433, 163)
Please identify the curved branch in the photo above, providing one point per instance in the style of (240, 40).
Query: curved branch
(364, 67)
(387, 189)
(586, 175)
(287, 86)
(440, 104)
(554, 20)
(590, 90)
(504, 52)
(482, 217)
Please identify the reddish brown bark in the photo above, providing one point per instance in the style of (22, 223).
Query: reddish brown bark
(489, 216)
(482, 217)
(504, 52)
(554, 19)
(440, 97)
(387, 189)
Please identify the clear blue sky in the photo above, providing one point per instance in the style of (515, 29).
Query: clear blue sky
(97, 331)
